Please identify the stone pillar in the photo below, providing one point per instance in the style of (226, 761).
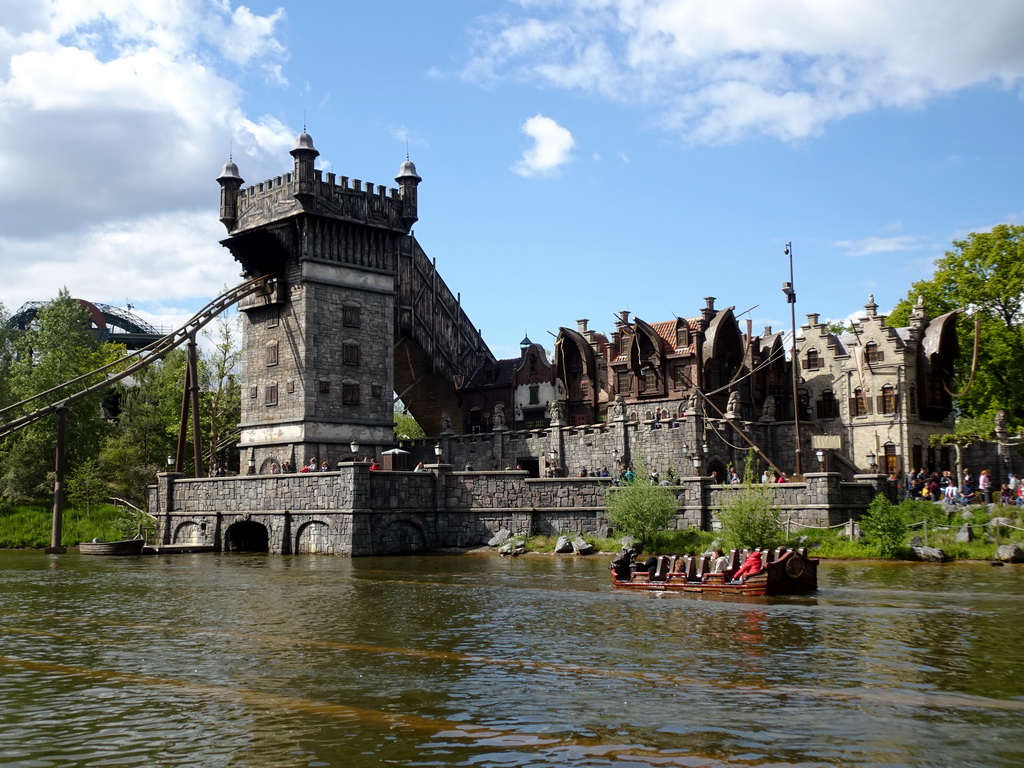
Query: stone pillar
(165, 500)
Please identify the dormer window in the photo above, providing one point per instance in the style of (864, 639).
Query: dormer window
(872, 354)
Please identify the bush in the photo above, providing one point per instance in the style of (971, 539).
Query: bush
(748, 519)
(640, 509)
(885, 527)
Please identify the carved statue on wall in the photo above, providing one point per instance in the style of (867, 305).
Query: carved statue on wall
(556, 412)
(732, 409)
(498, 419)
(618, 409)
(1000, 425)
(446, 422)
(768, 410)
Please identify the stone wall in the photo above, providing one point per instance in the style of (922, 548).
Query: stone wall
(357, 512)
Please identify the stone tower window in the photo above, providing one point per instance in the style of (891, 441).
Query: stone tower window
(350, 353)
(351, 315)
(271, 393)
(271, 353)
(325, 387)
(350, 394)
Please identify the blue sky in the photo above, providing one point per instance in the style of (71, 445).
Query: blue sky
(579, 157)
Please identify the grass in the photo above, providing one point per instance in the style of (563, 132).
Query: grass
(28, 525)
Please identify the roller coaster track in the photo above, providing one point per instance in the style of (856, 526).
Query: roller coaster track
(114, 372)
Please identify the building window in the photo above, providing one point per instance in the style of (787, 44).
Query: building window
(252, 391)
(813, 361)
(289, 386)
(681, 337)
(375, 391)
(351, 315)
(622, 382)
(350, 353)
(912, 399)
(271, 393)
(273, 317)
(679, 377)
(350, 394)
(828, 406)
(872, 353)
(859, 403)
(271, 354)
(650, 380)
(325, 387)
(892, 461)
(888, 400)
(585, 389)
(534, 395)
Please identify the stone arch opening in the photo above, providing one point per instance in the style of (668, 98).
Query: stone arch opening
(247, 536)
(189, 532)
(400, 537)
(313, 538)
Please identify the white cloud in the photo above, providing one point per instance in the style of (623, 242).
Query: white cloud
(552, 147)
(114, 113)
(716, 72)
(870, 246)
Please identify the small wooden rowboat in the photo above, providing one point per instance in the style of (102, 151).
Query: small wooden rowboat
(788, 571)
(125, 547)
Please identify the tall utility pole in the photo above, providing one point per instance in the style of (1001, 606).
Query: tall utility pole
(790, 291)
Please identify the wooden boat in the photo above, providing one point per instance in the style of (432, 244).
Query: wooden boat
(125, 547)
(787, 571)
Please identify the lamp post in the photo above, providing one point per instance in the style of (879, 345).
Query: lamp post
(696, 463)
(787, 288)
(252, 462)
(553, 463)
(170, 462)
(871, 460)
(820, 455)
(437, 452)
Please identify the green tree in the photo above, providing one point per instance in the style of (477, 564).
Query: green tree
(884, 526)
(406, 427)
(984, 277)
(86, 485)
(221, 397)
(640, 509)
(59, 346)
(748, 517)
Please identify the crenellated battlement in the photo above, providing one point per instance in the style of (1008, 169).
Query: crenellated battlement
(310, 190)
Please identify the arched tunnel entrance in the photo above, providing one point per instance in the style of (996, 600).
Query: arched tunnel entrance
(247, 536)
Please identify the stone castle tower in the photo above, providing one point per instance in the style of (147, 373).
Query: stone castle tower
(318, 366)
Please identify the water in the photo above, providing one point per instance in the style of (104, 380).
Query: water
(246, 660)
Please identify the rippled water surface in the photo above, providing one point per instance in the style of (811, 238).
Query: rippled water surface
(472, 660)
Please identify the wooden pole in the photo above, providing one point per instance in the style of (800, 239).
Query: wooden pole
(197, 431)
(57, 526)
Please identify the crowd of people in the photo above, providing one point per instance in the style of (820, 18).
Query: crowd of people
(943, 486)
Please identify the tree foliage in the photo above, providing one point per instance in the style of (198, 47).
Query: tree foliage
(639, 508)
(406, 427)
(984, 277)
(884, 526)
(122, 435)
(58, 347)
(748, 517)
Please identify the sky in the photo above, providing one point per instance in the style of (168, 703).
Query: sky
(579, 157)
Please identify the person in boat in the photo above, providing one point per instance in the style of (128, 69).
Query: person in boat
(622, 562)
(719, 562)
(750, 566)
